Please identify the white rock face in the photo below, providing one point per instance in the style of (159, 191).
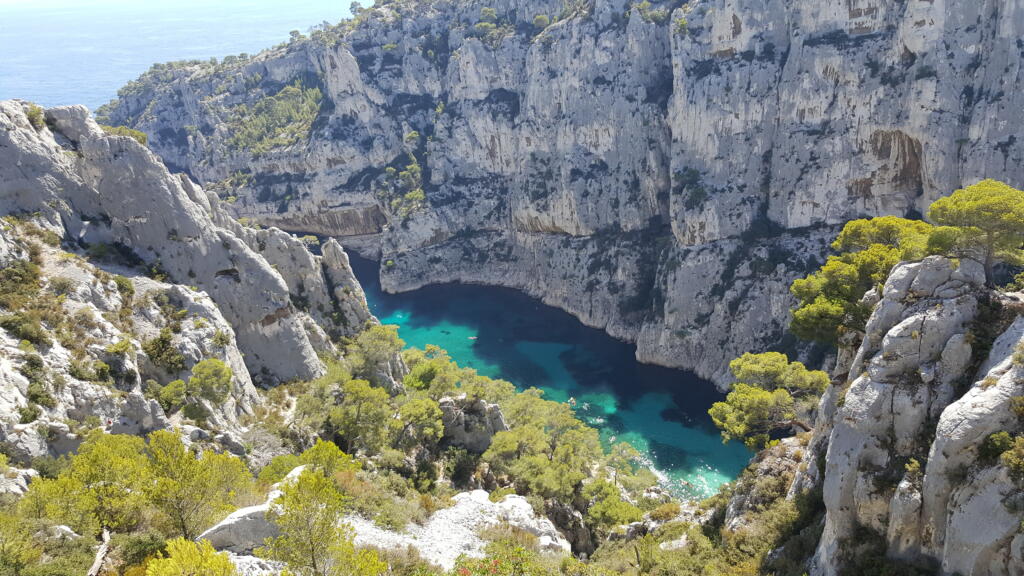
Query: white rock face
(97, 188)
(252, 566)
(92, 300)
(447, 534)
(248, 528)
(15, 481)
(243, 530)
(664, 185)
(452, 532)
(905, 401)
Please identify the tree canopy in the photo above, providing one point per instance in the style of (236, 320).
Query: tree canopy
(313, 540)
(984, 221)
(765, 397)
(191, 491)
(750, 414)
(829, 300)
(187, 558)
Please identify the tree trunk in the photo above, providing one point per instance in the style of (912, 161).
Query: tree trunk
(990, 280)
(798, 424)
(101, 555)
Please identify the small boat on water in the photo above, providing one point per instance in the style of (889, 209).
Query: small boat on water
(472, 337)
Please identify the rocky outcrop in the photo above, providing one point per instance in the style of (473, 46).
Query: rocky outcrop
(96, 189)
(470, 423)
(662, 171)
(247, 528)
(902, 473)
(767, 478)
(14, 481)
(251, 566)
(454, 531)
(92, 371)
(446, 535)
(570, 522)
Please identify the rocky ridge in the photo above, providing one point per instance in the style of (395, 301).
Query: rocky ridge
(901, 429)
(131, 253)
(662, 171)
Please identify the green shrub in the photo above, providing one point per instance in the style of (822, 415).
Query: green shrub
(38, 394)
(173, 395)
(125, 287)
(607, 509)
(211, 379)
(497, 495)
(666, 512)
(541, 21)
(221, 339)
(30, 413)
(50, 466)
(122, 347)
(682, 26)
(656, 16)
(914, 471)
(162, 352)
(459, 466)
(100, 371)
(195, 412)
(79, 370)
(19, 283)
(1013, 459)
(1017, 406)
(135, 549)
(993, 447)
(393, 515)
(26, 326)
(278, 468)
(33, 368)
(275, 121)
(35, 116)
(60, 285)
(136, 135)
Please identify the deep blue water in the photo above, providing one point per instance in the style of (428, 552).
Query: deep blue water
(506, 334)
(81, 51)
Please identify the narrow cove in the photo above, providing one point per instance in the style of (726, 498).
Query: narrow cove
(505, 334)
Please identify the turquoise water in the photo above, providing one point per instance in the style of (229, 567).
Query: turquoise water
(505, 334)
(81, 51)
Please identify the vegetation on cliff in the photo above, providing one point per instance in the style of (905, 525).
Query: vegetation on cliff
(275, 121)
(983, 222)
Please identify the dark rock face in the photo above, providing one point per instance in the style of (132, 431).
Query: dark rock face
(662, 173)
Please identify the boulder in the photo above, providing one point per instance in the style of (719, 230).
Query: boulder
(470, 423)
(247, 528)
(15, 481)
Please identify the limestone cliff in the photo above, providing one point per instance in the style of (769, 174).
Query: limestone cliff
(902, 433)
(660, 170)
(117, 254)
